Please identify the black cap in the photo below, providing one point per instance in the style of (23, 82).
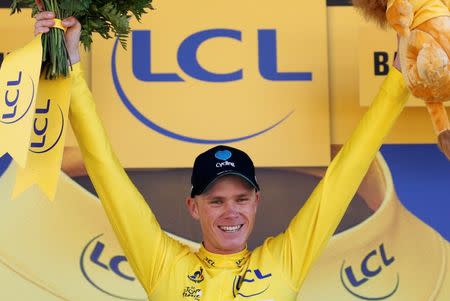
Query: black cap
(220, 161)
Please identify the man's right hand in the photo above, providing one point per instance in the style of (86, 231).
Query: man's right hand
(44, 21)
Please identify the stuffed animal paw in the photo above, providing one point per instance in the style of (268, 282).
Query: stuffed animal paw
(424, 30)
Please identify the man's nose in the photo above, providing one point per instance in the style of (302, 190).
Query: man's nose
(231, 209)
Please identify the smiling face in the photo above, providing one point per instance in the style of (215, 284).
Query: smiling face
(226, 213)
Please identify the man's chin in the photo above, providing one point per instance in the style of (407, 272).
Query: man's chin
(232, 242)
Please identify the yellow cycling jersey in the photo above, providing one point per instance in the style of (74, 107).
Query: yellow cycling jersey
(169, 270)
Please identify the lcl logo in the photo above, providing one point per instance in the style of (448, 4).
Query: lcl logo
(47, 116)
(94, 261)
(251, 276)
(356, 277)
(188, 62)
(16, 100)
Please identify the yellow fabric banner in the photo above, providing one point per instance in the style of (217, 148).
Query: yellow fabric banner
(33, 121)
(19, 79)
(47, 138)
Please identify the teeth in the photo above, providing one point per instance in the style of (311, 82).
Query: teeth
(230, 228)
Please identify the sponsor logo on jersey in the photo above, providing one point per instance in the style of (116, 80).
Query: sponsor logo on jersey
(192, 292)
(251, 284)
(197, 277)
(209, 261)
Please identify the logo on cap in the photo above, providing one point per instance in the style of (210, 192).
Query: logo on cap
(223, 155)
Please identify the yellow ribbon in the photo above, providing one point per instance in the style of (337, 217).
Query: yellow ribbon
(33, 118)
(19, 80)
(58, 24)
(46, 144)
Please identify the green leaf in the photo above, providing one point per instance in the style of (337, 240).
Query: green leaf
(17, 5)
(73, 8)
(107, 18)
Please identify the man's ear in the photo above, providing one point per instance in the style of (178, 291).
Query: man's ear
(192, 206)
(258, 199)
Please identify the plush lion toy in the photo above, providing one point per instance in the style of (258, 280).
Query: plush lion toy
(424, 30)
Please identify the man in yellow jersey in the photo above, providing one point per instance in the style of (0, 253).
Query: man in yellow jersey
(224, 199)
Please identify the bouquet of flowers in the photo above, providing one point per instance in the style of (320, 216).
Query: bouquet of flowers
(108, 18)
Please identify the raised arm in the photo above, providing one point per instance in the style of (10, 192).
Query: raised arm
(146, 246)
(312, 227)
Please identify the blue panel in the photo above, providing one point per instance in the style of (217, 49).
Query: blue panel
(421, 176)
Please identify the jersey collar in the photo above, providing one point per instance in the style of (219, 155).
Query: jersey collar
(221, 261)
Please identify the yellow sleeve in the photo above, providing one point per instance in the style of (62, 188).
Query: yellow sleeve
(312, 227)
(148, 249)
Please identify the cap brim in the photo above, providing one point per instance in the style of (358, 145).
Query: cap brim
(228, 173)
